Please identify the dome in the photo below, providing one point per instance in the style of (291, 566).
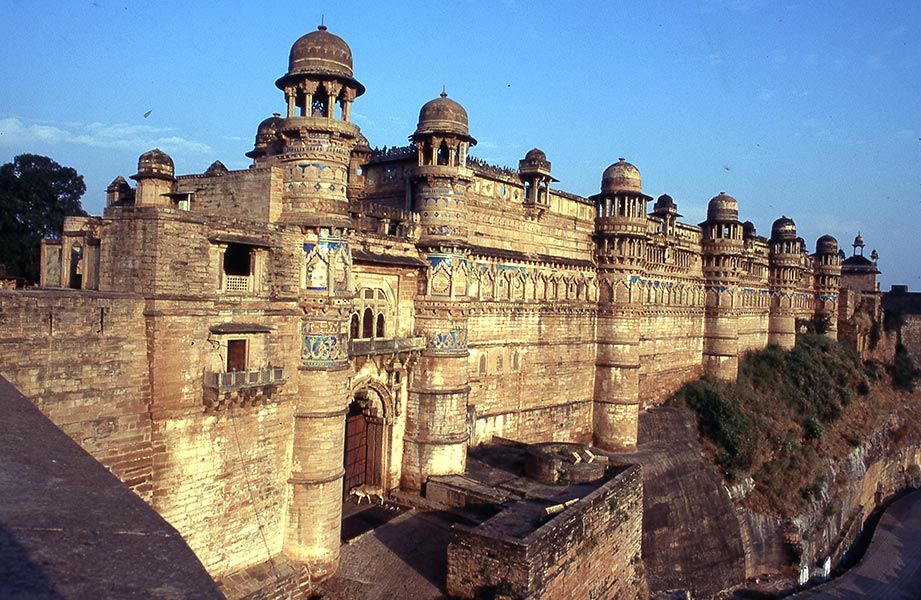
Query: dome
(858, 241)
(621, 177)
(267, 130)
(155, 164)
(535, 154)
(748, 230)
(320, 53)
(723, 207)
(783, 229)
(443, 115)
(664, 202)
(826, 245)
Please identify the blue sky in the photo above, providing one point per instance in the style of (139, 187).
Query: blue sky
(806, 109)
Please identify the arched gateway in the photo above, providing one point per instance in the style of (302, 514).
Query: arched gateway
(368, 433)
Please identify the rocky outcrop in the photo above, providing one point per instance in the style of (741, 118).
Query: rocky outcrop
(691, 537)
(697, 536)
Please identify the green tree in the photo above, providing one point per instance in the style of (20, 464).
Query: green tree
(36, 193)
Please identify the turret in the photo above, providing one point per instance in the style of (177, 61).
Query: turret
(436, 436)
(442, 140)
(722, 244)
(119, 192)
(620, 249)
(827, 281)
(534, 171)
(155, 179)
(786, 270)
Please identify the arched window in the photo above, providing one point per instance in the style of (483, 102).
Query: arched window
(379, 330)
(354, 327)
(482, 368)
(443, 154)
(367, 323)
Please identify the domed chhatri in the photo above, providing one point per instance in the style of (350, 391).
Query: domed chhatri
(783, 228)
(621, 177)
(443, 115)
(826, 244)
(723, 207)
(155, 164)
(536, 154)
(317, 54)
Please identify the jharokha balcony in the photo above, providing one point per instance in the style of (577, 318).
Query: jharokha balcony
(373, 346)
(240, 388)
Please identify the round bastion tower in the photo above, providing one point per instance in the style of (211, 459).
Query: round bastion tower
(827, 280)
(312, 145)
(620, 250)
(436, 413)
(786, 270)
(722, 245)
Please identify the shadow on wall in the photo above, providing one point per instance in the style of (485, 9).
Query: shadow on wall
(70, 529)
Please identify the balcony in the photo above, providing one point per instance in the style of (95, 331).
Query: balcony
(238, 380)
(374, 347)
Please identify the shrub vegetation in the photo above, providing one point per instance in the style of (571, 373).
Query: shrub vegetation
(789, 410)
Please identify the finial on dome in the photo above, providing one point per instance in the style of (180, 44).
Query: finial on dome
(322, 25)
(443, 93)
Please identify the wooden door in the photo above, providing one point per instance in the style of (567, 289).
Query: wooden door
(356, 448)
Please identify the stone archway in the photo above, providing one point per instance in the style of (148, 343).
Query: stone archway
(368, 431)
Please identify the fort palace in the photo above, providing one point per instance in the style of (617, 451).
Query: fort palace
(242, 348)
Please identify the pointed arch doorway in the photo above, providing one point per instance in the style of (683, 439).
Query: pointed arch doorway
(367, 439)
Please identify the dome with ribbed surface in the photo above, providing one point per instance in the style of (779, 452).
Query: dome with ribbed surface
(320, 55)
(155, 164)
(723, 207)
(826, 245)
(621, 177)
(442, 115)
(320, 52)
(783, 229)
(535, 154)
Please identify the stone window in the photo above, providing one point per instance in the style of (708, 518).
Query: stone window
(373, 315)
(241, 265)
(516, 361)
(483, 363)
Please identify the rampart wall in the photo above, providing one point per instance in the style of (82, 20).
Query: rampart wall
(81, 357)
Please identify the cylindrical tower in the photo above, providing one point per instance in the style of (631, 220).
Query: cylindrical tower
(620, 250)
(827, 281)
(722, 244)
(155, 179)
(313, 143)
(786, 266)
(435, 441)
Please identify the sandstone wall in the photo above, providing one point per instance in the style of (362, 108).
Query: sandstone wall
(220, 470)
(251, 194)
(591, 550)
(671, 346)
(546, 392)
(82, 359)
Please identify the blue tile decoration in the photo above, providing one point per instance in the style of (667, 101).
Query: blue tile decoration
(453, 341)
(322, 348)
